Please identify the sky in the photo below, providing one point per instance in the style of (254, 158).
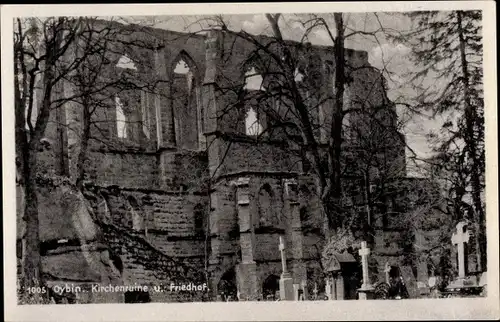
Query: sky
(382, 53)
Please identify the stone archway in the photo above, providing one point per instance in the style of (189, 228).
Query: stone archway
(270, 288)
(227, 289)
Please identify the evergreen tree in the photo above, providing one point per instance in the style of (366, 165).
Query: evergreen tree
(447, 52)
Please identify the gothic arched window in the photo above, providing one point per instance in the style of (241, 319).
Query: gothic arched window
(250, 116)
(129, 118)
(253, 126)
(253, 80)
(132, 117)
(121, 119)
(186, 106)
(299, 77)
(145, 113)
(126, 63)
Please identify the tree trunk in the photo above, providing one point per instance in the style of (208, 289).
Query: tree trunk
(25, 165)
(335, 142)
(471, 147)
(324, 185)
(367, 196)
(31, 260)
(82, 154)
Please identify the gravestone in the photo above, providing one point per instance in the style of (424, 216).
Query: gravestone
(340, 287)
(366, 292)
(410, 281)
(460, 238)
(298, 292)
(433, 281)
(286, 281)
(423, 289)
(304, 290)
(328, 289)
(364, 252)
(463, 285)
(433, 285)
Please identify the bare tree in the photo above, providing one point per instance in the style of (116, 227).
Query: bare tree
(39, 46)
(49, 55)
(279, 61)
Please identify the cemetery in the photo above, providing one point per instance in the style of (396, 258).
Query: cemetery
(338, 285)
(243, 162)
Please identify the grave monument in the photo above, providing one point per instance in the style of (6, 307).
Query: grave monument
(366, 292)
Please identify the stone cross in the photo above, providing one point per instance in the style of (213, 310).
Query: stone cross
(460, 238)
(328, 289)
(364, 252)
(283, 256)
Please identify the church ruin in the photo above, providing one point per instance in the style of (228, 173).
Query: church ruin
(184, 188)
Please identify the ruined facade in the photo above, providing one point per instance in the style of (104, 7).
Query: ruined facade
(181, 182)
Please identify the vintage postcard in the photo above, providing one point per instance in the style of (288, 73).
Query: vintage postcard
(276, 161)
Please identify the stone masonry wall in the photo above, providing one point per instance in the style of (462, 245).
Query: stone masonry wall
(155, 239)
(233, 156)
(133, 170)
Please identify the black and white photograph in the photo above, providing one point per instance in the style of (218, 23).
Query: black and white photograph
(330, 155)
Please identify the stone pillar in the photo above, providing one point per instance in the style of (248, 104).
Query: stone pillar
(215, 240)
(422, 271)
(163, 106)
(292, 204)
(296, 289)
(74, 118)
(299, 292)
(201, 117)
(210, 102)
(322, 129)
(165, 131)
(286, 281)
(161, 73)
(333, 288)
(167, 168)
(366, 290)
(211, 73)
(304, 289)
(247, 269)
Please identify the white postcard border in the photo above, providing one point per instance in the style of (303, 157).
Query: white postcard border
(484, 308)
